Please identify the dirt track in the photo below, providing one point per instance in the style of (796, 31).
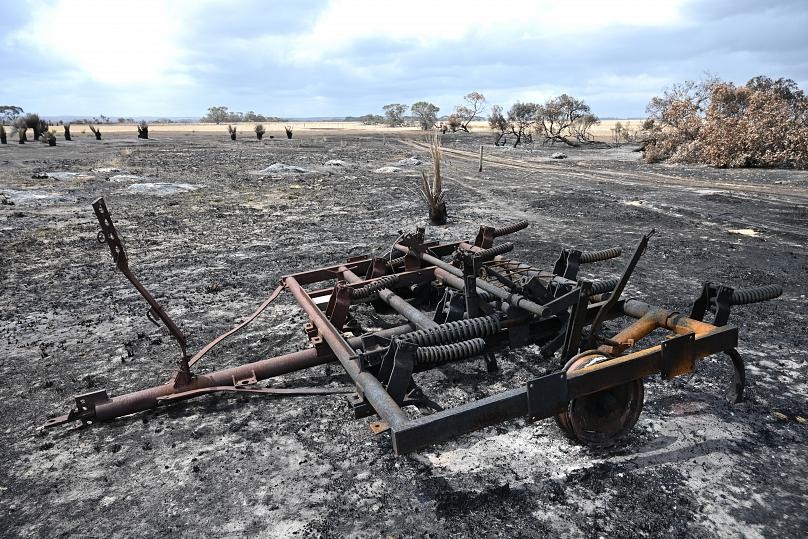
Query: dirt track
(211, 238)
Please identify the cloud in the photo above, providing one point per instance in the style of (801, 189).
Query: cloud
(347, 58)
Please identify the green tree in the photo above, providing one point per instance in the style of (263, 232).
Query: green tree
(9, 113)
(565, 119)
(425, 113)
(394, 114)
(216, 115)
(520, 119)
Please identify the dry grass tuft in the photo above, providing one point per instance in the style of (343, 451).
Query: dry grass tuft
(432, 191)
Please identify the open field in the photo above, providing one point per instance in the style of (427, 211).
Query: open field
(602, 131)
(210, 237)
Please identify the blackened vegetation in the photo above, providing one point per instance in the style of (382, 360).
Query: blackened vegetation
(232, 130)
(96, 131)
(259, 131)
(3, 136)
(431, 190)
(498, 124)
(143, 130)
(67, 131)
(494, 510)
(646, 503)
(259, 466)
(288, 129)
(36, 124)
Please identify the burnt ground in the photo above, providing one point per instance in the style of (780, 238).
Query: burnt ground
(214, 240)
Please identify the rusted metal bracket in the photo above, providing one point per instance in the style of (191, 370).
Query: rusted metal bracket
(618, 290)
(270, 391)
(109, 235)
(677, 356)
(546, 396)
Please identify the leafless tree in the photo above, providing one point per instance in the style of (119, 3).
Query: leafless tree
(475, 104)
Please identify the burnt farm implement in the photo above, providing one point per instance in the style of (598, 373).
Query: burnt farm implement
(458, 301)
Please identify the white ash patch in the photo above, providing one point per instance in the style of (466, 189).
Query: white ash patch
(408, 162)
(66, 176)
(161, 189)
(125, 178)
(32, 196)
(387, 170)
(282, 168)
(336, 163)
(750, 232)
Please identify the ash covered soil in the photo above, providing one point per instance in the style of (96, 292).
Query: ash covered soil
(210, 227)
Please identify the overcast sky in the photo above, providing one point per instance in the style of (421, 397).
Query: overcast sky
(339, 58)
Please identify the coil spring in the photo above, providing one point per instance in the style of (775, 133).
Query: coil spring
(486, 296)
(510, 229)
(396, 262)
(460, 330)
(491, 252)
(431, 355)
(587, 257)
(369, 289)
(600, 287)
(755, 295)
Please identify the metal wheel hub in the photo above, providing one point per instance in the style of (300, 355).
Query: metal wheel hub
(602, 418)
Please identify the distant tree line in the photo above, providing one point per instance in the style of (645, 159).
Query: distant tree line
(425, 114)
(218, 115)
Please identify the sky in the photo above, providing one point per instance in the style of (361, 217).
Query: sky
(297, 59)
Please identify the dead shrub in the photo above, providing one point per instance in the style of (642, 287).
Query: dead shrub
(498, 123)
(432, 191)
(761, 124)
(755, 128)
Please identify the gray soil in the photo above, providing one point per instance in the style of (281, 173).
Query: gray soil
(209, 228)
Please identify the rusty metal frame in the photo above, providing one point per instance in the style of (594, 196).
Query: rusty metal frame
(488, 302)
